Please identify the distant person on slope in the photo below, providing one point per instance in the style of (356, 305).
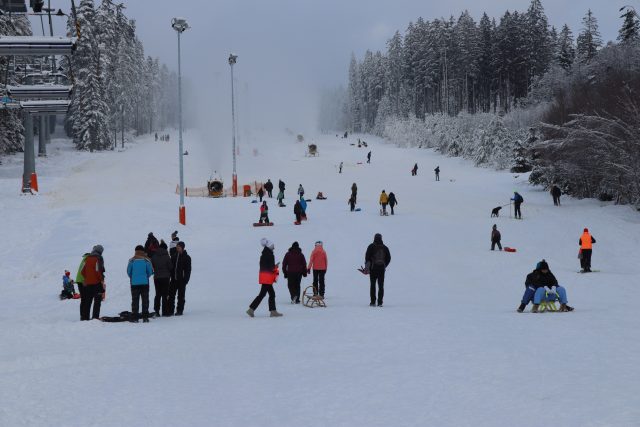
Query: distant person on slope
(392, 201)
(139, 271)
(151, 245)
(352, 202)
(495, 238)
(517, 201)
(300, 191)
(303, 206)
(369, 157)
(556, 193)
(264, 213)
(539, 286)
(354, 192)
(279, 198)
(377, 259)
(414, 171)
(586, 247)
(318, 264)
(260, 194)
(340, 168)
(297, 211)
(267, 277)
(174, 242)
(93, 283)
(294, 268)
(281, 187)
(384, 200)
(269, 187)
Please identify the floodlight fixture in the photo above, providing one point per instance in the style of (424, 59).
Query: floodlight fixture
(179, 24)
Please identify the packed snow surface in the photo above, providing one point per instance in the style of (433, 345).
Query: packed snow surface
(447, 349)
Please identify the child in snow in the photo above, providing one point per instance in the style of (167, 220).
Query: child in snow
(67, 286)
(267, 277)
(318, 263)
(264, 213)
(495, 238)
(303, 206)
(260, 194)
(352, 202)
(384, 200)
(539, 286)
(279, 198)
(300, 191)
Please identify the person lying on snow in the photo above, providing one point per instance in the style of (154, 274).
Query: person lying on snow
(541, 285)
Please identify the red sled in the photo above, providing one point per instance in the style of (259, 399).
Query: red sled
(262, 224)
(76, 296)
(508, 249)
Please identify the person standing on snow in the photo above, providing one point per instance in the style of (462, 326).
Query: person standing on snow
(151, 245)
(180, 275)
(269, 187)
(414, 171)
(352, 202)
(264, 213)
(556, 193)
(318, 263)
(535, 285)
(495, 238)
(260, 194)
(340, 168)
(303, 206)
(294, 268)
(392, 201)
(517, 201)
(384, 200)
(174, 241)
(139, 270)
(586, 247)
(281, 188)
(377, 259)
(161, 263)
(279, 198)
(300, 191)
(267, 277)
(437, 171)
(297, 211)
(354, 192)
(369, 157)
(92, 283)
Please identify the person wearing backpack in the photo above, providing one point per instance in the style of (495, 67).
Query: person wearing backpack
(151, 245)
(517, 201)
(376, 259)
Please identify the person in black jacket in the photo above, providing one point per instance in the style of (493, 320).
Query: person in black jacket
(392, 201)
(376, 259)
(269, 187)
(294, 268)
(180, 274)
(297, 210)
(495, 238)
(536, 285)
(162, 267)
(151, 245)
(556, 193)
(267, 276)
(281, 187)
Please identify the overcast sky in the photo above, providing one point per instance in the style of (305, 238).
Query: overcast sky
(288, 49)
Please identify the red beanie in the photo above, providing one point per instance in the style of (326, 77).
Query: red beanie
(586, 230)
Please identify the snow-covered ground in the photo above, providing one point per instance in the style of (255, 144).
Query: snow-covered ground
(448, 348)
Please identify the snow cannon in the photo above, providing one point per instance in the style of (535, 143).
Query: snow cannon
(313, 150)
(215, 187)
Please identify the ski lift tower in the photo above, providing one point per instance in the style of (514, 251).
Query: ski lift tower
(180, 25)
(234, 185)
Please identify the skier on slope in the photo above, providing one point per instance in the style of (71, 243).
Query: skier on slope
(279, 198)
(264, 213)
(384, 200)
(495, 238)
(539, 286)
(377, 259)
(340, 168)
(267, 277)
(392, 201)
(586, 242)
(294, 268)
(269, 187)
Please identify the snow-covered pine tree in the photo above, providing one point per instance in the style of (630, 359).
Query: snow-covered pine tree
(566, 52)
(630, 30)
(589, 40)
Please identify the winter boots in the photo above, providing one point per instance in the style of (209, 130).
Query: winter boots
(521, 308)
(565, 308)
(250, 312)
(274, 313)
(535, 308)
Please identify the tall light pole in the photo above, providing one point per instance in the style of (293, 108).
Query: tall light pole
(180, 25)
(232, 60)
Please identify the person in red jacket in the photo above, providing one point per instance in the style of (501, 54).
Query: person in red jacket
(267, 277)
(93, 285)
(294, 267)
(318, 263)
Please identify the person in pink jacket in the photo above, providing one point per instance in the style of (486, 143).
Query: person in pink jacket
(318, 263)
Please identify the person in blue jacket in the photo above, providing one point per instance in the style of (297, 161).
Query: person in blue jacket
(139, 270)
(303, 205)
(517, 200)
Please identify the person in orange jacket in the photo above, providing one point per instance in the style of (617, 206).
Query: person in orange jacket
(586, 246)
(267, 277)
(318, 263)
(93, 285)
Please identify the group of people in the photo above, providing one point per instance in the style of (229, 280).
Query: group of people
(387, 199)
(169, 266)
(295, 267)
(162, 138)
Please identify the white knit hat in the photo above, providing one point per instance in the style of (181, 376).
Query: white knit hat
(267, 243)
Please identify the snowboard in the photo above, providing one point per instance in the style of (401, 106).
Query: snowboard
(262, 224)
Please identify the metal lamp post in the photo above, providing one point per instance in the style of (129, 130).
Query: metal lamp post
(180, 25)
(232, 61)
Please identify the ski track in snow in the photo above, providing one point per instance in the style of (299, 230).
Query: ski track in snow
(448, 348)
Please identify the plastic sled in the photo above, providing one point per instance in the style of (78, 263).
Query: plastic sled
(508, 249)
(310, 300)
(297, 223)
(262, 224)
(357, 210)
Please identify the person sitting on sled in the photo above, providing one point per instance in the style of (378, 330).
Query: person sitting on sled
(67, 286)
(264, 213)
(541, 285)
